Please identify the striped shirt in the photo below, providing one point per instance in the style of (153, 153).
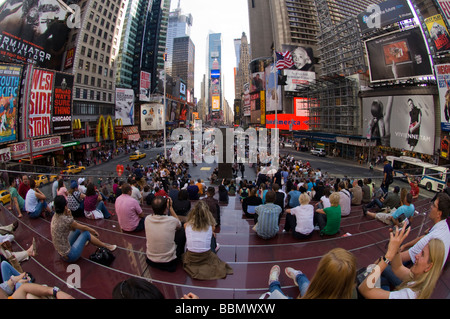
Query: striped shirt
(268, 216)
(440, 231)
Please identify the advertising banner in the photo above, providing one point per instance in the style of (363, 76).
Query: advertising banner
(438, 32)
(145, 86)
(125, 106)
(287, 122)
(40, 103)
(247, 101)
(398, 55)
(10, 77)
(152, 117)
(443, 84)
(296, 79)
(386, 13)
(405, 122)
(273, 95)
(33, 32)
(62, 103)
(303, 57)
(215, 105)
(445, 7)
(257, 84)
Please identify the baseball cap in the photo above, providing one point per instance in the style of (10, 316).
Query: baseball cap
(80, 180)
(73, 184)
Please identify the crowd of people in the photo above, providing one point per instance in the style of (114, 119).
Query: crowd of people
(185, 213)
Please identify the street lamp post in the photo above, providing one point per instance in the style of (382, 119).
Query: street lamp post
(164, 106)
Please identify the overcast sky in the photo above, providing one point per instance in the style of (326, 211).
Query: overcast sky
(229, 17)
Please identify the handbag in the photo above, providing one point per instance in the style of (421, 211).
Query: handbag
(94, 214)
(102, 256)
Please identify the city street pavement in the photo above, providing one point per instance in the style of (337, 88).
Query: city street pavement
(334, 166)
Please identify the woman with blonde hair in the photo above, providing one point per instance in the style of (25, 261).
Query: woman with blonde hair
(334, 277)
(200, 260)
(419, 281)
(301, 218)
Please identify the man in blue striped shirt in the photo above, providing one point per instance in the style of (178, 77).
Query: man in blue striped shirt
(267, 217)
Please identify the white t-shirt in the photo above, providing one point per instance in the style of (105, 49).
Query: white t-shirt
(345, 202)
(325, 201)
(405, 293)
(305, 218)
(31, 201)
(198, 241)
(439, 231)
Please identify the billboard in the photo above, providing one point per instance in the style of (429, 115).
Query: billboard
(152, 117)
(10, 77)
(125, 106)
(247, 101)
(257, 84)
(145, 86)
(62, 103)
(287, 122)
(215, 104)
(445, 7)
(398, 55)
(385, 13)
(405, 122)
(33, 32)
(302, 57)
(40, 103)
(296, 79)
(443, 84)
(273, 91)
(438, 32)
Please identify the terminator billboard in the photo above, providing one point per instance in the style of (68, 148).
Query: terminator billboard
(34, 32)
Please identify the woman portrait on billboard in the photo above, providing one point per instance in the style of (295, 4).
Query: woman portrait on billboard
(414, 125)
(379, 125)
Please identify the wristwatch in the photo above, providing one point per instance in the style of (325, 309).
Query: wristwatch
(387, 261)
(55, 291)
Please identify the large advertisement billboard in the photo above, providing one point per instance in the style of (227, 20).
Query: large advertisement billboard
(145, 86)
(398, 55)
(273, 91)
(62, 103)
(384, 14)
(438, 32)
(125, 106)
(287, 122)
(33, 32)
(40, 103)
(443, 83)
(405, 122)
(152, 117)
(10, 77)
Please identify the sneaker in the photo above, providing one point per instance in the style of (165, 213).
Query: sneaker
(292, 273)
(217, 247)
(316, 228)
(274, 274)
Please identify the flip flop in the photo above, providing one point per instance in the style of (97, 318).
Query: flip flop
(34, 247)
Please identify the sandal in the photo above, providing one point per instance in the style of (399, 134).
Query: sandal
(34, 247)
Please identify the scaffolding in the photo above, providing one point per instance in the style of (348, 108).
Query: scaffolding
(332, 105)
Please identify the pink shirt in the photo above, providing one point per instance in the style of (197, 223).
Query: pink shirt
(128, 210)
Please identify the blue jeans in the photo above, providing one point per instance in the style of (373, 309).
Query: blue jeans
(38, 210)
(302, 281)
(7, 271)
(101, 207)
(77, 240)
(374, 202)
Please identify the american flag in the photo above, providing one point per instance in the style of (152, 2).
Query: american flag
(284, 60)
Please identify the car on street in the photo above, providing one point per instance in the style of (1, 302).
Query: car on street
(137, 156)
(318, 152)
(5, 197)
(71, 170)
(41, 180)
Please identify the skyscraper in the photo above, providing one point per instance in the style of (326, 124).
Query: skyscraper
(179, 26)
(214, 76)
(183, 63)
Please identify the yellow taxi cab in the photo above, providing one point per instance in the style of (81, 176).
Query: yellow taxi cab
(70, 170)
(41, 180)
(52, 178)
(137, 156)
(81, 168)
(5, 197)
